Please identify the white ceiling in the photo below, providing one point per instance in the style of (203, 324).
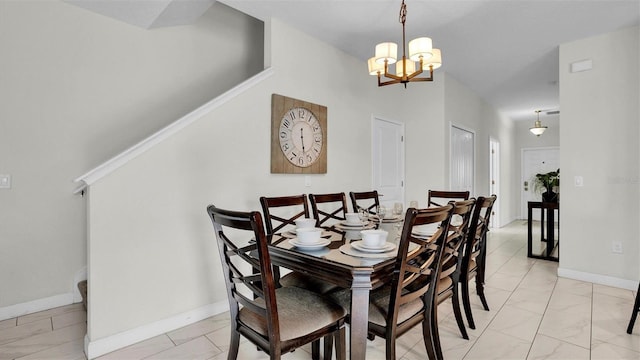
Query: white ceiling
(504, 50)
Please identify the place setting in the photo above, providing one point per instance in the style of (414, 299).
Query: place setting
(303, 223)
(385, 216)
(309, 238)
(355, 222)
(374, 244)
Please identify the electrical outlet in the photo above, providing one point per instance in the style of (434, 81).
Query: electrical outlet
(616, 247)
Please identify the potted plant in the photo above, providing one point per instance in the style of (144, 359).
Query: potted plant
(547, 181)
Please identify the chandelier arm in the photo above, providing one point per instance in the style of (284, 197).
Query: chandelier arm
(388, 74)
(390, 82)
(414, 74)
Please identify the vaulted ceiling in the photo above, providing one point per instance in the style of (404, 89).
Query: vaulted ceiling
(506, 51)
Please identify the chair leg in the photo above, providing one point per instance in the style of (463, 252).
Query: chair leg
(341, 344)
(467, 303)
(634, 313)
(435, 334)
(428, 337)
(234, 345)
(455, 300)
(328, 346)
(480, 291)
(315, 350)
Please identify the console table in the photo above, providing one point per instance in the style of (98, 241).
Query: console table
(547, 233)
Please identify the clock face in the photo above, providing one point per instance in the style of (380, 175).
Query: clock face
(300, 135)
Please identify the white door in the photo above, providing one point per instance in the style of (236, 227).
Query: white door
(461, 171)
(534, 161)
(388, 160)
(494, 180)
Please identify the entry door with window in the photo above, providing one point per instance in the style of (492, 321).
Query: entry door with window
(388, 160)
(534, 161)
(462, 166)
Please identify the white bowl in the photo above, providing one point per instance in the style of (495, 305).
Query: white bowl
(305, 223)
(374, 239)
(308, 235)
(352, 218)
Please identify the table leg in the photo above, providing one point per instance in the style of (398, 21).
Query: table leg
(551, 236)
(359, 315)
(529, 231)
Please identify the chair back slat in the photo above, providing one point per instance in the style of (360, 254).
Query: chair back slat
(290, 207)
(477, 233)
(418, 264)
(328, 208)
(441, 197)
(454, 245)
(368, 200)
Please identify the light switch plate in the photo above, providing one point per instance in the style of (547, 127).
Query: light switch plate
(578, 181)
(5, 181)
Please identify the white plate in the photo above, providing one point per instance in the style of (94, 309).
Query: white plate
(424, 230)
(347, 224)
(292, 234)
(320, 244)
(359, 245)
(354, 228)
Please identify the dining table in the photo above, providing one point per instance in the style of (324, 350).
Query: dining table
(341, 263)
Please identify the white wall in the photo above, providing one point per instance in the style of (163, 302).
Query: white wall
(467, 110)
(76, 89)
(599, 139)
(151, 247)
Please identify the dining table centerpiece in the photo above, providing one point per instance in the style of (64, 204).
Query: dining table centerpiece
(550, 183)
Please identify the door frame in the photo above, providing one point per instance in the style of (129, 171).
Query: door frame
(374, 119)
(494, 173)
(461, 127)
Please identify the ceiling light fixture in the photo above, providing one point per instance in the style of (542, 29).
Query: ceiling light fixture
(421, 52)
(537, 128)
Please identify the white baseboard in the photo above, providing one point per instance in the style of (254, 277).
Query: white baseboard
(598, 279)
(51, 302)
(111, 343)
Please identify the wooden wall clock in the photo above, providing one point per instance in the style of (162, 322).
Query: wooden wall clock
(298, 136)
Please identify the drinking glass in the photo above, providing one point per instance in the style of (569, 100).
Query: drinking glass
(382, 211)
(364, 215)
(397, 209)
(413, 204)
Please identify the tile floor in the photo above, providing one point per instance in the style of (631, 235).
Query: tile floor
(534, 315)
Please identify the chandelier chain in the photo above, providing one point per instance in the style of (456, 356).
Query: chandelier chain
(403, 13)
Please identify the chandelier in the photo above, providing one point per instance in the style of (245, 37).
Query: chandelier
(537, 128)
(421, 53)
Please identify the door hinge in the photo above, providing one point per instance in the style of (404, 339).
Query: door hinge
(401, 138)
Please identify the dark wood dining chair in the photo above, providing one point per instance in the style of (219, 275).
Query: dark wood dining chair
(475, 254)
(280, 214)
(367, 200)
(441, 197)
(409, 299)
(328, 208)
(451, 261)
(634, 313)
(277, 320)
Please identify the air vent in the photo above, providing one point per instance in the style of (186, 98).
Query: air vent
(553, 112)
